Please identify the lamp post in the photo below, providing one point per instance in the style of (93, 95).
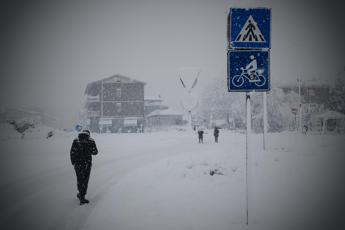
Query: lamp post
(188, 82)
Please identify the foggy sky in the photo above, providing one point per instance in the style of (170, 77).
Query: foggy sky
(50, 50)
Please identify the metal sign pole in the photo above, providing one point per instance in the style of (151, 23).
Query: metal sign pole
(248, 67)
(265, 119)
(248, 157)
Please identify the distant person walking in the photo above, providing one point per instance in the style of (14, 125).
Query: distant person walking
(201, 135)
(216, 134)
(82, 150)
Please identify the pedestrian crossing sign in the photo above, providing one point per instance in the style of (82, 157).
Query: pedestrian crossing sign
(249, 28)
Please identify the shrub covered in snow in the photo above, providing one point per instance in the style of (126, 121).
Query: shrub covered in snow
(26, 129)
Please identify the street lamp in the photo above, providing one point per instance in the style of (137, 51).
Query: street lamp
(189, 78)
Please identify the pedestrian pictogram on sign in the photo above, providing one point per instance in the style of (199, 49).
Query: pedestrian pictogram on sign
(250, 32)
(249, 28)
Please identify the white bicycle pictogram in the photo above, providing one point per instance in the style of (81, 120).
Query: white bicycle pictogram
(254, 77)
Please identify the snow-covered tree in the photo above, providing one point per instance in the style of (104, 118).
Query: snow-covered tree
(279, 104)
(337, 98)
(216, 100)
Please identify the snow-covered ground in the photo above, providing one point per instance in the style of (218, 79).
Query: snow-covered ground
(162, 180)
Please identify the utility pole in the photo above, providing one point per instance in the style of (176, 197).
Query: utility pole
(299, 81)
(101, 106)
(190, 103)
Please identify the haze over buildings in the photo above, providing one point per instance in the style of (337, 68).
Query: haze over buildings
(50, 50)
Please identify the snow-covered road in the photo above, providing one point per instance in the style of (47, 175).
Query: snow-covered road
(38, 182)
(161, 180)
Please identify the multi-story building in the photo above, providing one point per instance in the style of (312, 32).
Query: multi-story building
(115, 104)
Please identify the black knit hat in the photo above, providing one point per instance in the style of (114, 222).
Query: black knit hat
(86, 131)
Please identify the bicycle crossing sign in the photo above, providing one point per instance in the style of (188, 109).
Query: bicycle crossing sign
(249, 28)
(248, 70)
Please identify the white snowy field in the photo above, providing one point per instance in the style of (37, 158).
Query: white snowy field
(162, 180)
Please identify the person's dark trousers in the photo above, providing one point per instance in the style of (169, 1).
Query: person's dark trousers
(83, 174)
(216, 139)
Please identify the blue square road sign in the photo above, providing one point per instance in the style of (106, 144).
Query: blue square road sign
(248, 70)
(249, 28)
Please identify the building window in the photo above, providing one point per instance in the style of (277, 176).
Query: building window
(312, 92)
(118, 107)
(118, 92)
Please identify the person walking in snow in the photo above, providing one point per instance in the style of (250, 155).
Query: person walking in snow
(82, 150)
(201, 135)
(216, 134)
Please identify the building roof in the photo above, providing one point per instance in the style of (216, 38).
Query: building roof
(117, 78)
(164, 112)
(314, 83)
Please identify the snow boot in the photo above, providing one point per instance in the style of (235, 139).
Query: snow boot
(82, 199)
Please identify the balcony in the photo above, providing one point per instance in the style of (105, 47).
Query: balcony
(93, 113)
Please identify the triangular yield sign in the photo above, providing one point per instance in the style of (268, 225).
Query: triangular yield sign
(250, 32)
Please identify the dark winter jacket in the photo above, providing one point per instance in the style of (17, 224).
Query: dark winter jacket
(216, 132)
(200, 133)
(82, 149)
